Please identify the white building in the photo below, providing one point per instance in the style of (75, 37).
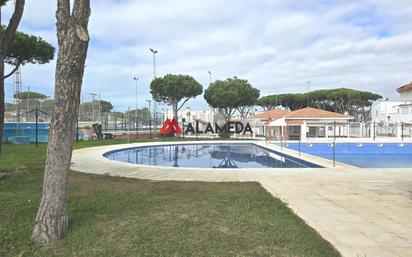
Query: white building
(394, 118)
(303, 124)
(203, 116)
(394, 112)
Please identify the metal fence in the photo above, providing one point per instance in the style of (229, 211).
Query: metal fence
(115, 121)
(126, 120)
(92, 111)
(24, 116)
(389, 130)
(357, 130)
(317, 130)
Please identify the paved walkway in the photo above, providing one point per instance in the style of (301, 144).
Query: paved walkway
(362, 212)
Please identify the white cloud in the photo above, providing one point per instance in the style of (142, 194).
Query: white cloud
(277, 45)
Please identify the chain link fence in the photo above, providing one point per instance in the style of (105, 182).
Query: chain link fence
(31, 118)
(21, 115)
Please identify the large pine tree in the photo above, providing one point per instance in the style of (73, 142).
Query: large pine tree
(73, 40)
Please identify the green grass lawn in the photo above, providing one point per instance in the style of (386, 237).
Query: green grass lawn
(128, 217)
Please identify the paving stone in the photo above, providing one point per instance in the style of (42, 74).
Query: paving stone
(403, 251)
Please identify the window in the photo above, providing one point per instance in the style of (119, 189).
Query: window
(294, 129)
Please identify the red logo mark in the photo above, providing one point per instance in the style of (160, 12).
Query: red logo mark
(170, 127)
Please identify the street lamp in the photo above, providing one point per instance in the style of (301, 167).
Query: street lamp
(154, 52)
(136, 124)
(210, 76)
(150, 119)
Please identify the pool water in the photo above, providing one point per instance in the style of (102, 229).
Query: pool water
(367, 155)
(208, 156)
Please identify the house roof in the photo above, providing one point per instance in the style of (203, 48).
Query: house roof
(313, 113)
(405, 88)
(273, 114)
(294, 122)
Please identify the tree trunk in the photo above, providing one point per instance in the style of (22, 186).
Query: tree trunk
(175, 111)
(73, 39)
(227, 113)
(2, 107)
(6, 38)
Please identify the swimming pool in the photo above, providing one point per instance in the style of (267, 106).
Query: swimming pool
(363, 155)
(210, 155)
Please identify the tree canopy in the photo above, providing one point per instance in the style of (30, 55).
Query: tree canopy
(10, 107)
(171, 89)
(339, 100)
(30, 95)
(25, 49)
(105, 105)
(7, 34)
(143, 116)
(141, 113)
(288, 101)
(47, 105)
(231, 95)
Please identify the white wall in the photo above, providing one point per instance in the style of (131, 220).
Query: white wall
(206, 115)
(397, 111)
(406, 96)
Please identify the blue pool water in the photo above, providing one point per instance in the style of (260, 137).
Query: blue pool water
(370, 155)
(208, 156)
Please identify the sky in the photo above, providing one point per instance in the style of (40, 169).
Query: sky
(279, 46)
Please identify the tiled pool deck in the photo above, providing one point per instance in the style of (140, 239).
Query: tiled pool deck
(362, 212)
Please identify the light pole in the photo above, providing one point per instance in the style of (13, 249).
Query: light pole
(154, 52)
(136, 124)
(307, 91)
(150, 119)
(210, 76)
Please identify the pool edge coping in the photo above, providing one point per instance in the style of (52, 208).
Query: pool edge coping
(265, 147)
